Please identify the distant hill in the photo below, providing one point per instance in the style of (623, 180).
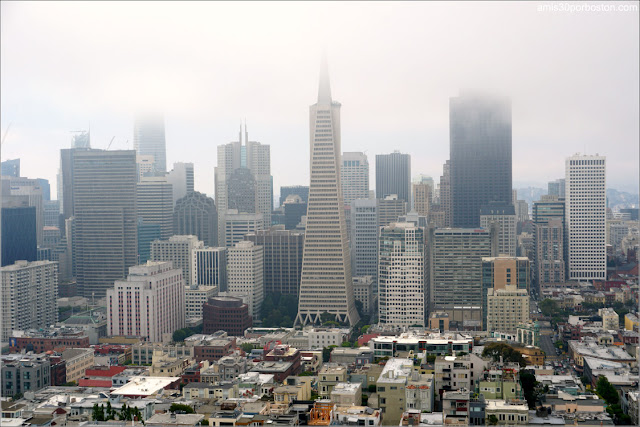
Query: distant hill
(615, 199)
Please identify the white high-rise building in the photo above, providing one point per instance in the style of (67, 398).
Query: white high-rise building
(401, 275)
(237, 225)
(150, 303)
(210, 267)
(245, 270)
(180, 251)
(354, 176)
(585, 217)
(326, 283)
(29, 296)
(257, 158)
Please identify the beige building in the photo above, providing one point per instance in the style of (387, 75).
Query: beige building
(610, 319)
(195, 297)
(507, 308)
(363, 292)
(329, 376)
(326, 284)
(507, 413)
(78, 360)
(422, 194)
(400, 388)
(245, 270)
(164, 365)
(347, 394)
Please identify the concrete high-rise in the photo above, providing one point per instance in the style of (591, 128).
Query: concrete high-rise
(241, 191)
(182, 180)
(506, 309)
(149, 303)
(364, 238)
(245, 274)
(549, 265)
(282, 259)
(480, 153)
(354, 176)
(585, 210)
(422, 189)
(393, 176)
(237, 225)
(105, 225)
(401, 271)
(390, 208)
(29, 296)
(556, 188)
(196, 214)
(31, 189)
(326, 283)
(500, 273)
(180, 251)
(149, 139)
(455, 270)
(300, 190)
(154, 197)
(505, 216)
(257, 158)
(10, 168)
(210, 268)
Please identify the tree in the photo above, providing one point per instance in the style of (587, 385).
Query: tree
(372, 388)
(346, 344)
(326, 317)
(529, 387)
(607, 391)
(204, 422)
(548, 307)
(493, 420)
(508, 353)
(246, 347)
(326, 353)
(175, 407)
(111, 414)
(98, 413)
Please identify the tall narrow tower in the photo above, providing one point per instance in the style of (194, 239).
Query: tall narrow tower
(326, 284)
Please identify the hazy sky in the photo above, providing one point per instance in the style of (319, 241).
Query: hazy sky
(572, 78)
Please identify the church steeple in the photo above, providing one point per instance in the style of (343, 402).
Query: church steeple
(324, 90)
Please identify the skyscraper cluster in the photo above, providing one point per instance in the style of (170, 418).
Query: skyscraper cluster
(165, 256)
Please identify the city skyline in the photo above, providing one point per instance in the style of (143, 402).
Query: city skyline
(555, 113)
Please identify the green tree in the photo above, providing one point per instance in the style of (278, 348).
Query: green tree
(529, 387)
(364, 329)
(493, 420)
(372, 388)
(607, 391)
(246, 347)
(204, 422)
(548, 307)
(181, 407)
(508, 353)
(111, 414)
(346, 344)
(326, 353)
(98, 412)
(326, 317)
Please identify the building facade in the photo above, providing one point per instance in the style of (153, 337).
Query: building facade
(354, 176)
(238, 224)
(154, 198)
(364, 238)
(585, 217)
(393, 176)
(149, 303)
(326, 283)
(401, 275)
(226, 314)
(29, 296)
(245, 269)
(210, 267)
(282, 259)
(195, 214)
(480, 153)
(505, 217)
(507, 308)
(180, 251)
(149, 139)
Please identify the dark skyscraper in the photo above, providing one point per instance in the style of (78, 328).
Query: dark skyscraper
(18, 234)
(196, 214)
(480, 150)
(393, 176)
(241, 191)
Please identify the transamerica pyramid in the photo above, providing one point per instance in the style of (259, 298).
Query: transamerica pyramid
(326, 284)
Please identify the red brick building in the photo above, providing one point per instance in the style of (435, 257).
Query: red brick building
(225, 314)
(49, 342)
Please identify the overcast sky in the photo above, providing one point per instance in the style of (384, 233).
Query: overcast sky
(572, 78)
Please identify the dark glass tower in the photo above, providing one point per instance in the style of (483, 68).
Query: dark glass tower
(393, 176)
(480, 150)
(18, 234)
(196, 214)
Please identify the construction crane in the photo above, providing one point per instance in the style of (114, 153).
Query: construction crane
(5, 133)
(111, 142)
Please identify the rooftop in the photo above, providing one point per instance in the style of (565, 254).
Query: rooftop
(144, 386)
(347, 388)
(396, 370)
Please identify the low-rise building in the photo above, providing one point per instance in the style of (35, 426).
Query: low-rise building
(325, 337)
(400, 387)
(351, 356)
(457, 372)
(24, 372)
(142, 352)
(78, 360)
(357, 416)
(432, 343)
(51, 339)
(164, 365)
(280, 370)
(506, 413)
(145, 387)
(329, 376)
(347, 394)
